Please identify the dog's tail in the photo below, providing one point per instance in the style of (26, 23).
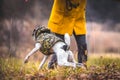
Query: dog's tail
(67, 39)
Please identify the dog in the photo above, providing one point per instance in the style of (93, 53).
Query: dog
(49, 44)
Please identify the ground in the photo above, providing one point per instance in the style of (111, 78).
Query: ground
(100, 67)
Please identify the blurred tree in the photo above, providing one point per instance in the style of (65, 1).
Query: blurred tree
(14, 11)
(105, 10)
(1, 10)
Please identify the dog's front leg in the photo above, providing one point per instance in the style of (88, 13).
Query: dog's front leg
(37, 47)
(43, 61)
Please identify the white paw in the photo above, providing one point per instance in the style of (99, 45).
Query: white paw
(74, 65)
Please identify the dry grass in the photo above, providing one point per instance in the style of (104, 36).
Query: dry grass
(98, 65)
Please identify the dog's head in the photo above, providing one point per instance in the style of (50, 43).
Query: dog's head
(39, 30)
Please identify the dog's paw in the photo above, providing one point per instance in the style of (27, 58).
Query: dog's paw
(79, 64)
(26, 61)
(74, 66)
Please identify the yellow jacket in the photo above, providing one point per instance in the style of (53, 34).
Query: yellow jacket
(63, 19)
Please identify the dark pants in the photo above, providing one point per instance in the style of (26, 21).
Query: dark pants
(82, 49)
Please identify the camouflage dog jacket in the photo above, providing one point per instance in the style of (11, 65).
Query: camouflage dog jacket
(47, 41)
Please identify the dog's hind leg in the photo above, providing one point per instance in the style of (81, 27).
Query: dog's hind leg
(43, 61)
(72, 59)
(37, 47)
(71, 56)
(62, 56)
(62, 59)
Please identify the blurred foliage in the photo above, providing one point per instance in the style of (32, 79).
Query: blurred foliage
(19, 8)
(104, 10)
(19, 17)
(97, 10)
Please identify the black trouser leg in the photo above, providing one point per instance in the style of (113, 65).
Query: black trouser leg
(82, 48)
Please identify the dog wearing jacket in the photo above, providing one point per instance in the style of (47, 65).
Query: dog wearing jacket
(48, 43)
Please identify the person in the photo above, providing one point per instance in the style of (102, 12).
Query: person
(68, 16)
